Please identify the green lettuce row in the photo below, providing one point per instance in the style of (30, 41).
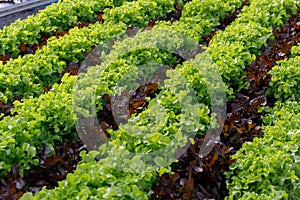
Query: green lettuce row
(44, 67)
(121, 139)
(197, 21)
(32, 129)
(239, 44)
(58, 16)
(132, 59)
(51, 119)
(138, 149)
(57, 123)
(26, 76)
(285, 80)
(269, 167)
(129, 14)
(116, 189)
(42, 125)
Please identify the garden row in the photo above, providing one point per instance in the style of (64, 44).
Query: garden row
(243, 122)
(101, 179)
(59, 16)
(51, 168)
(268, 167)
(52, 119)
(26, 76)
(231, 8)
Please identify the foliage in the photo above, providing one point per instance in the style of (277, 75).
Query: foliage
(50, 125)
(241, 41)
(285, 81)
(200, 17)
(28, 75)
(137, 129)
(140, 12)
(58, 16)
(127, 164)
(268, 168)
(45, 66)
(39, 120)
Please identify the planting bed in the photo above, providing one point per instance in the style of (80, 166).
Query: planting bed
(252, 46)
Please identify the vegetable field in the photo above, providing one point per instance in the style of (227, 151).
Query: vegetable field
(152, 99)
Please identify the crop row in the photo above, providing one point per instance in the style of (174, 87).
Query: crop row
(138, 148)
(44, 123)
(59, 16)
(22, 135)
(268, 167)
(197, 21)
(45, 66)
(239, 44)
(286, 78)
(28, 75)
